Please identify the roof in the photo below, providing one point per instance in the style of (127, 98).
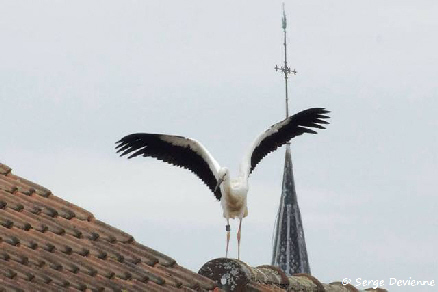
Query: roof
(237, 276)
(48, 244)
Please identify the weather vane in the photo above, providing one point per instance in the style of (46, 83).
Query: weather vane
(285, 69)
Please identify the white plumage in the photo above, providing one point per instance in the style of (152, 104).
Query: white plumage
(191, 154)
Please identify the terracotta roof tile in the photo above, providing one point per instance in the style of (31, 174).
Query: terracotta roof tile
(48, 244)
(162, 259)
(196, 279)
(30, 187)
(112, 234)
(16, 284)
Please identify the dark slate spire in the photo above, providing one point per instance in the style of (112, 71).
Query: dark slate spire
(289, 252)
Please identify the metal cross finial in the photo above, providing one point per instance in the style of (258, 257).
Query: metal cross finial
(285, 68)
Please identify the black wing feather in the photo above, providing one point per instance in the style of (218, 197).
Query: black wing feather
(152, 145)
(293, 126)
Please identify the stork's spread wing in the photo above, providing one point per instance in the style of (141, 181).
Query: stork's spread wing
(176, 150)
(281, 133)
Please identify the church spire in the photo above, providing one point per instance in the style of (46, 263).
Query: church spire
(289, 250)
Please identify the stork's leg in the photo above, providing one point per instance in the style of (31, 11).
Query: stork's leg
(227, 228)
(238, 238)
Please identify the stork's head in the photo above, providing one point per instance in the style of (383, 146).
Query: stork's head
(223, 175)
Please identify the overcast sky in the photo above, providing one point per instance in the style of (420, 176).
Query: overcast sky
(76, 76)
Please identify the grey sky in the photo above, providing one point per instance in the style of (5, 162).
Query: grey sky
(77, 76)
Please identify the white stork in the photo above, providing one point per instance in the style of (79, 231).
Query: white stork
(191, 154)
